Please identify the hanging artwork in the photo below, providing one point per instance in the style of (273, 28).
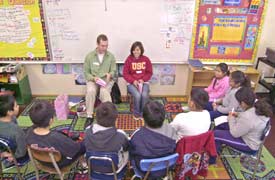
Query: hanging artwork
(227, 31)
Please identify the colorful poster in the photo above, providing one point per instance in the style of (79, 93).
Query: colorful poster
(254, 6)
(250, 37)
(213, 2)
(234, 31)
(49, 69)
(22, 31)
(203, 36)
(228, 28)
(249, 43)
(225, 50)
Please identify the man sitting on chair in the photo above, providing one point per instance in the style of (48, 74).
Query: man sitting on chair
(99, 69)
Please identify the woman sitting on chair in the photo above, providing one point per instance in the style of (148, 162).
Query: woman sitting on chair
(137, 72)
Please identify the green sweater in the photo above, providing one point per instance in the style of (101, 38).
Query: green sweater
(16, 134)
(93, 68)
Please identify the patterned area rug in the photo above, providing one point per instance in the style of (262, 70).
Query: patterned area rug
(241, 167)
(173, 106)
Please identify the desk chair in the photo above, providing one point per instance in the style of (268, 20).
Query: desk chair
(255, 155)
(7, 145)
(104, 165)
(47, 155)
(157, 164)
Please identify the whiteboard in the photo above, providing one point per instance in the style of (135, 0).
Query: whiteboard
(163, 26)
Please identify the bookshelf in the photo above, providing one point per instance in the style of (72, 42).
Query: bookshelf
(20, 89)
(202, 77)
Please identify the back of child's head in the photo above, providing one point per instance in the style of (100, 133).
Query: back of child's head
(41, 113)
(199, 97)
(154, 114)
(240, 78)
(106, 114)
(246, 95)
(263, 108)
(6, 104)
(224, 68)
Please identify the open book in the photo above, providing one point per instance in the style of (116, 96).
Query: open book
(220, 120)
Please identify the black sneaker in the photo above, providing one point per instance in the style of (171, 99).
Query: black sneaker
(89, 121)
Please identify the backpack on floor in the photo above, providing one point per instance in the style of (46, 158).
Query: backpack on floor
(115, 94)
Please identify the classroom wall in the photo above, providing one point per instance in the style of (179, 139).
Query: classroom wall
(55, 84)
(267, 36)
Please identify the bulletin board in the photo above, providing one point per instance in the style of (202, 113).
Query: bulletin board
(22, 31)
(227, 30)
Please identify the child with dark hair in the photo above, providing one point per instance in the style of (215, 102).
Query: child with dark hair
(196, 121)
(220, 83)
(156, 139)
(245, 128)
(223, 106)
(42, 114)
(8, 129)
(105, 137)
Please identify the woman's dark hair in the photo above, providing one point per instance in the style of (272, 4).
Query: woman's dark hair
(6, 104)
(240, 77)
(137, 44)
(246, 95)
(154, 114)
(41, 113)
(224, 69)
(199, 97)
(263, 108)
(106, 114)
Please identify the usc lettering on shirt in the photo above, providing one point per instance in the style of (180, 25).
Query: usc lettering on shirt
(138, 66)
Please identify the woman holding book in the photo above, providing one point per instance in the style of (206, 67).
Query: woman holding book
(137, 71)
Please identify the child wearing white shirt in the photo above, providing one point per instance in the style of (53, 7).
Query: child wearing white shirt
(196, 121)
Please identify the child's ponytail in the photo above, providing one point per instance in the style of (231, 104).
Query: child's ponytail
(263, 108)
(241, 78)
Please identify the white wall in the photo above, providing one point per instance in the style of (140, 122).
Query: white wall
(268, 32)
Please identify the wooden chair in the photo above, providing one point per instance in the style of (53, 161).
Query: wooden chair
(39, 156)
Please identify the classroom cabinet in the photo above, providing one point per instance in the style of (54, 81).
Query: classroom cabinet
(21, 89)
(203, 77)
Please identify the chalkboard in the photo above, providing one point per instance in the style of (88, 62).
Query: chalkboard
(163, 26)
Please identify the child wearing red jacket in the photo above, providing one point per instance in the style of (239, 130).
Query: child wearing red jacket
(137, 71)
